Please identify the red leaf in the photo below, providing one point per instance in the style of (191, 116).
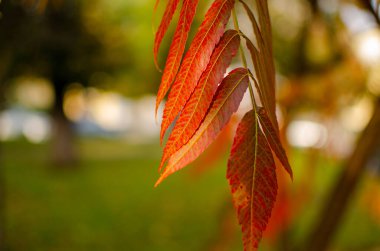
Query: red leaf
(283, 211)
(265, 24)
(274, 140)
(177, 48)
(216, 150)
(262, 57)
(252, 176)
(156, 5)
(196, 59)
(265, 46)
(264, 86)
(200, 100)
(226, 102)
(171, 7)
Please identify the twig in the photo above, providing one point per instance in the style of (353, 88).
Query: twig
(340, 196)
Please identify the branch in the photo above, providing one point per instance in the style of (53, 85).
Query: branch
(367, 5)
(2, 207)
(339, 198)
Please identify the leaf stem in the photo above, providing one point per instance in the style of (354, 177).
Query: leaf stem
(251, 93)
(244, 61)
(243, 58)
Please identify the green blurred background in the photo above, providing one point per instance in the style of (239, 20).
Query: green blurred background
(79, 145)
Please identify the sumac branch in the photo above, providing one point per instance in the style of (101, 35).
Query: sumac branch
(204, 101)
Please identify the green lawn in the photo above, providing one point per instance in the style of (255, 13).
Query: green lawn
(108, 202)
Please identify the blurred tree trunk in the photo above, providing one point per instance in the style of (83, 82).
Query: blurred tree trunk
(5, 64)
(2, 182)
(375, 13)
(343, 191)
(2, 206)
(337, 202)
(63, 151)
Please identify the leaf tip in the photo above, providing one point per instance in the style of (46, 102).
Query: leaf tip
(162, 134)
(157, 183)
(290, 172)
(163, 160)
(164, 128)
(156, 63)
(156, 5)
(156, 109)
(162, 177)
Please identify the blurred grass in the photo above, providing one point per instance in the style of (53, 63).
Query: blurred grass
(107, 202)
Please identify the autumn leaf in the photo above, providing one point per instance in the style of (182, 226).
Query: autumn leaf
(200, 100)
(204, 107)
(263, 30)
(255, 26)
(226, 101)
(259, 72)
(264, 47)
(283, 211)
(265, 24)
(264, 86)
(273, 139)
(252, 177)
(171, 7)
(156, 5)
(177, 48)
(214, 153)
(196, 60)
(262, 57)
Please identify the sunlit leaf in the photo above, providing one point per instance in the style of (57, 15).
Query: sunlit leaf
(226, 102)
(262, 57)
(274, 139)
(263, 46)
(171, 7)
(199, 102)
(203, 108)
(196, 60)
(177, 48)
(252, 177)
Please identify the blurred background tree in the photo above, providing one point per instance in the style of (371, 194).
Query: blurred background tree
(48, 39)
(68, 42)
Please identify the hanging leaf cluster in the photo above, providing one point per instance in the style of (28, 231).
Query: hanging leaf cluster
(201, 98)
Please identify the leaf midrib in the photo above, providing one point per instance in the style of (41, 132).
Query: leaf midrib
(206, 125)
(204, 87)
(181, 38)
(197, 50)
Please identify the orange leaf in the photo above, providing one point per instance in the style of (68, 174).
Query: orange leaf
(265, 86)
(200, 100)
(252, 177)
(256, 29)
(216, 150)
(265, 24)
(156, 5)
(274, 140)
(258, 70)
(264, 47)
(177, 48)
(171, 7)
(283, 211)
(196, 60)
(262, 57)
(226, 102)
(264, 32)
